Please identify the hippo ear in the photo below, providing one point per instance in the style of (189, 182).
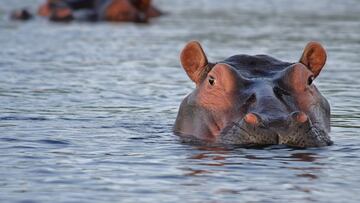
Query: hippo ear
(314, 57)
(194, 61)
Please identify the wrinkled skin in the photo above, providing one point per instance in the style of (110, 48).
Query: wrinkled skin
(139, 11)
(254, 100)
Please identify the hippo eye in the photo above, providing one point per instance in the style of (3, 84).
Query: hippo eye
(211, 80)
(310, 80)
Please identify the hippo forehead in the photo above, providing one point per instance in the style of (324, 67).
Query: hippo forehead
(257, 66)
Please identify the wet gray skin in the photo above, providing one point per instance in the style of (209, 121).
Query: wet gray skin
(254, 100)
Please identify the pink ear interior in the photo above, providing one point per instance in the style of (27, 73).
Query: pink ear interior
(194, 60)
(314, 57)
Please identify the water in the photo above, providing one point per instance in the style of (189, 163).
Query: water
(86, 110)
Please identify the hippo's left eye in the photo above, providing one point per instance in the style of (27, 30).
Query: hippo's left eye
(211, 80)
(310, 80)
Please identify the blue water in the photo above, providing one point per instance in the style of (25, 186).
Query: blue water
(86, 110)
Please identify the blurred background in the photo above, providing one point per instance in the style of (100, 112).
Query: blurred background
(86, 109)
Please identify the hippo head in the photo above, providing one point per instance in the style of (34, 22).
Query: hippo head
(56, 10)
(126, 11)
(254, 100)
(22, 14)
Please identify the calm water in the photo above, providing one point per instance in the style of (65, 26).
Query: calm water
(86, 110)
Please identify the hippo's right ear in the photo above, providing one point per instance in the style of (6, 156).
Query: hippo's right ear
(194, 61)
(314, 57)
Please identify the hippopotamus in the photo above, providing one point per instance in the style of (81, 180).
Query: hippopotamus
(254, 100)
(21, 14)
(95, 10)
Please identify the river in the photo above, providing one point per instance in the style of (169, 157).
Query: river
(86, 110)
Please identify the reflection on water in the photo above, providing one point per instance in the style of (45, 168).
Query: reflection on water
(217, 162)
(86, 110)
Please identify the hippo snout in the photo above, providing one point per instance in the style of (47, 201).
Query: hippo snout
(279, 123)
(294, 130)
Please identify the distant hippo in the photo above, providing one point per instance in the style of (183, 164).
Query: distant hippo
(95, 10)
(254, 100)
(21, 14)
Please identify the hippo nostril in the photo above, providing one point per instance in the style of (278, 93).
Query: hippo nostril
(252, 118)
(299, 116)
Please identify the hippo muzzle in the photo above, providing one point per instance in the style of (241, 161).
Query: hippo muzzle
(295, 130)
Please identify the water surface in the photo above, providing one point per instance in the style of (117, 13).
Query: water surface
(86, 110)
